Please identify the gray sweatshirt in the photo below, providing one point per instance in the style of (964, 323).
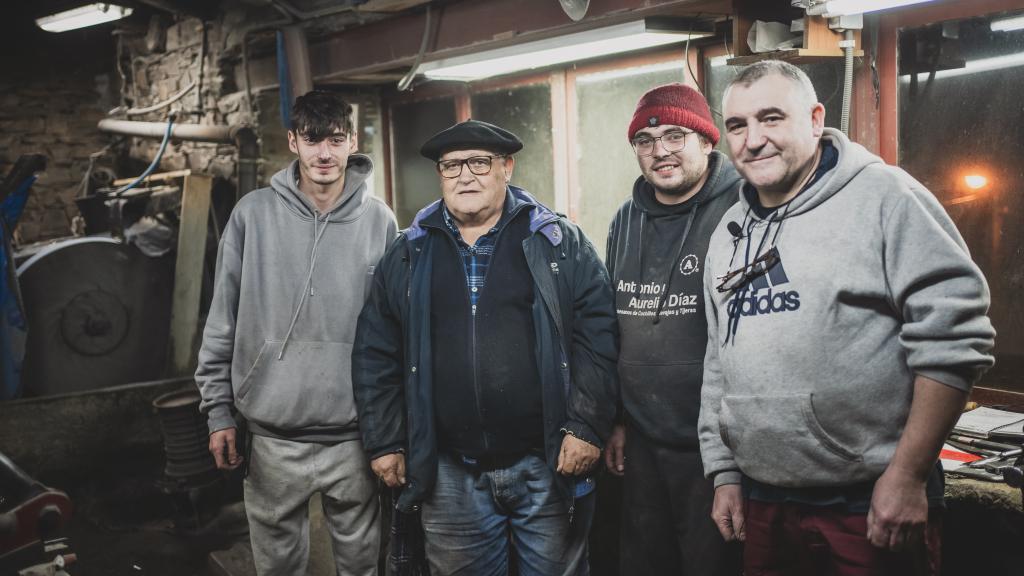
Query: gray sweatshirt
(809, 369)
(289, 286)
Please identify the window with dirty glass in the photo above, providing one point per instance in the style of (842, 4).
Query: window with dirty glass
(826, 76)
(607, 165)
(416, 181)
(961, 133)
(526, 112)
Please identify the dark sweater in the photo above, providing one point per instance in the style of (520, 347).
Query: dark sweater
(658, 280)
(487, 394)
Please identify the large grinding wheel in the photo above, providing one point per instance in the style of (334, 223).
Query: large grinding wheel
(98, 315)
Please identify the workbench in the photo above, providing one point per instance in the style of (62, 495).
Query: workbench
(983, 528)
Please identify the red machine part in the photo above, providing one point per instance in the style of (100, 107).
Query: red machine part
(33, 520)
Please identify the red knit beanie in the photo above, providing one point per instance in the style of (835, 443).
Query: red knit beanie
(676, 104)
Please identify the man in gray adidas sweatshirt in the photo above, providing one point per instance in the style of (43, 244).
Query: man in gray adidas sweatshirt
(293, 270)
(846, 325)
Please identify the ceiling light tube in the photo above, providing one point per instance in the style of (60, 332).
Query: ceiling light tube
(1007, 24)
(834, 8)
(88, 15)
(605, 41)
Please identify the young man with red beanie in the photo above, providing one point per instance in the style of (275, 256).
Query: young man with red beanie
(656, 248)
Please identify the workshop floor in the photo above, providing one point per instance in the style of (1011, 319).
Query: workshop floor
(122, 524)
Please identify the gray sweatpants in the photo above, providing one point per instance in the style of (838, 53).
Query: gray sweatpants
(283, 475)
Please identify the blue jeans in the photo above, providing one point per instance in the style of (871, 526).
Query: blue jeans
(473, 515)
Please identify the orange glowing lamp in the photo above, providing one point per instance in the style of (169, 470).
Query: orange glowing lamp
(975, 181)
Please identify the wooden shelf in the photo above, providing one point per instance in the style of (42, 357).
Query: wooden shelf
(819, 43)
(793, 56)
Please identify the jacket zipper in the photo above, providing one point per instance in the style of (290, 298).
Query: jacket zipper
(472, 340)
(476, 376)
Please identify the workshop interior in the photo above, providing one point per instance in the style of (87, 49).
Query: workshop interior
(129, 131)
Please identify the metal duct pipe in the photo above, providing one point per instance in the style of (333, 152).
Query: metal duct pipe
(185, 435)
(243, 137)
(193, 132)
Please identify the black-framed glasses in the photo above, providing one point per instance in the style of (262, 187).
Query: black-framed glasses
(673, 141)
(478, 165)
(760, 266)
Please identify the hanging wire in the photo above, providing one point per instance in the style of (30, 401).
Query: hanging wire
(406, 80)
(156, 160)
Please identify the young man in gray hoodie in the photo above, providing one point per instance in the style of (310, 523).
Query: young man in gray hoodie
(846, 326)
(294, 267)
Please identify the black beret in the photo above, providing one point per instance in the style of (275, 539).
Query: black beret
(471, 134)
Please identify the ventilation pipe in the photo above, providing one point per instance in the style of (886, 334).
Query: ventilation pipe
(243, 137)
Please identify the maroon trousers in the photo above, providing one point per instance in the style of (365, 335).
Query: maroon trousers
(787, 539)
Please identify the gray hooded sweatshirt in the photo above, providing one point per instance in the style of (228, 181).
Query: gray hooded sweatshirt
(809, 369)
(289, 287)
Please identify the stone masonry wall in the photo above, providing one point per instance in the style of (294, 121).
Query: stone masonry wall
(166, 60)
(54, 115)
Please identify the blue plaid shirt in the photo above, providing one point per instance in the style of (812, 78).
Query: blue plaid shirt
(476, 258)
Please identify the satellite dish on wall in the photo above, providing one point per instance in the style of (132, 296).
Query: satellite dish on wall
(576, 9)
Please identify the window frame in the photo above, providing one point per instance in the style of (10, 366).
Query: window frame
(562, 82)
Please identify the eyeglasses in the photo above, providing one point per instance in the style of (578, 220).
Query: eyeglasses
(734, 279)
(672, 142)
(479, 165)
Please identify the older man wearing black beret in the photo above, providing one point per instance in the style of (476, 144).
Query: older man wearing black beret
(484, 368)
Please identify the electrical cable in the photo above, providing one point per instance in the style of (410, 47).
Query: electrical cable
(686, 54)
(848, 44)
(156, 160)
(202, 66)
(406, 80)
(139, 111)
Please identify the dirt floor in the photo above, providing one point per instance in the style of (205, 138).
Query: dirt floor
(123, 524)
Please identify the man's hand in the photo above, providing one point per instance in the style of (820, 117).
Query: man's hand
(390, 468)
(615, 451)
(727, 512)
(577, 456)
(899, 511)
(223, 441)
(899, 506)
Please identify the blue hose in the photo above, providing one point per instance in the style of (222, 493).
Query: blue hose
(154, 164)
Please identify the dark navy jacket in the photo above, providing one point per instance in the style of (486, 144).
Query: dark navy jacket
(576, 335)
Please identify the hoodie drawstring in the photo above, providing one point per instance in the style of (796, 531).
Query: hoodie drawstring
(308, 284)
(675, 263)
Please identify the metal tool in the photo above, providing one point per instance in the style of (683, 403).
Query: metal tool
(968, 472)
(30, 515)
(980, 443)
(972, 449)
(987, 462)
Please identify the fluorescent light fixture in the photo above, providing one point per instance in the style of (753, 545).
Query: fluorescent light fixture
(976, 66)
(834, 8)
(620, 73)
(88, 15)
(1007, 24)
(614, 39)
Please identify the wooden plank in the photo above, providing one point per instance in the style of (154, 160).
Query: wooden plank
(560, 140)
(794, 56)
(741, 26)
(161, 177)
(188, 273)
(818, 36)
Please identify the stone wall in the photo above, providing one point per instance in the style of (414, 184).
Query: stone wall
(53, 105)
(167, 59)
(54, 114)
(53, 90)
